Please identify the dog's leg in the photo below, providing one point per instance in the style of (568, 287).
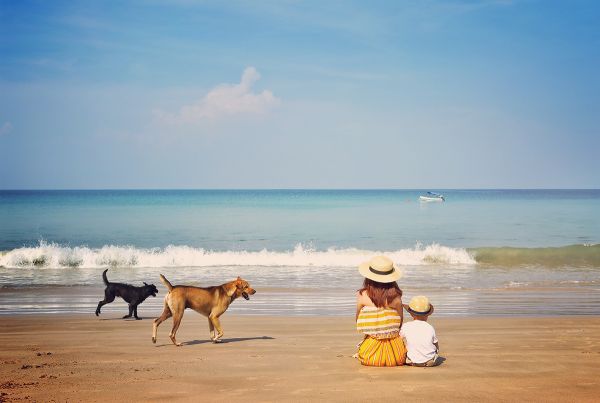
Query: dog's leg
(130, 312)
(108, 298)
(164, 316)
(135, 313)
(219, 331)
(211, 329)
(177, 315)
(100, 304)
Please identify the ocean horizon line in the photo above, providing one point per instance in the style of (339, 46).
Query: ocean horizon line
(296, 189)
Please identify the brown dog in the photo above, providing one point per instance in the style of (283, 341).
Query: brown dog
(211, 302)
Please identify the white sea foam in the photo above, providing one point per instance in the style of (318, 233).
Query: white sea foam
(49, 255)
(514, 284)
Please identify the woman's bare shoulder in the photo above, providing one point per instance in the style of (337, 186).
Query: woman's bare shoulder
(363, 298)
(360, 295)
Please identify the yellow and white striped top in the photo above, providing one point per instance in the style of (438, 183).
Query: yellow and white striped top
(380, 323)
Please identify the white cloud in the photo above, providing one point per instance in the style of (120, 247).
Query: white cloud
(5, 128)
(225, 100)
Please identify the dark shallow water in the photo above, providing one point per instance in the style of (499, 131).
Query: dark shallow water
(456, 291)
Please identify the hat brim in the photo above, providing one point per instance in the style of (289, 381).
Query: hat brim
(365, 270)
(409, 310)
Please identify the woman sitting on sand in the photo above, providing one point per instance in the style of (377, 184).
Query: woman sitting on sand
(379, 314)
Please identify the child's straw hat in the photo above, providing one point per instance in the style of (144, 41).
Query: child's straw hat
(420, 306)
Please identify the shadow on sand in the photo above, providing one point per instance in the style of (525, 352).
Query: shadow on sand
(128, 319)
(224, 341)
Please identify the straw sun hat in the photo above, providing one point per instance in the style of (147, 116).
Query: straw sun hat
(419, 306)
(380, 269)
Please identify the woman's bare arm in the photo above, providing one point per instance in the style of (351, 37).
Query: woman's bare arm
(359, 304)
(397, 305)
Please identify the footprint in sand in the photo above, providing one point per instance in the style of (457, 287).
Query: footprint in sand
(299, 391)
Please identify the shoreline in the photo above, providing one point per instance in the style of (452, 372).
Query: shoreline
(275, 358)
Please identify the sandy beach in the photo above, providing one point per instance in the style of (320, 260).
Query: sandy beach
(300, 168)
(84, 358)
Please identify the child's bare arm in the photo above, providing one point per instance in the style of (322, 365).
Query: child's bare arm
(437, 346)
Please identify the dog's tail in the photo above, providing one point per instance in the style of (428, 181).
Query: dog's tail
(106, 282)
(166, 282)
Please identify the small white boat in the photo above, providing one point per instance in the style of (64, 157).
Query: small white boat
(432, 197)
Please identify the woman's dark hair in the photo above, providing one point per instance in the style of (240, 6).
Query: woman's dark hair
(381, 294)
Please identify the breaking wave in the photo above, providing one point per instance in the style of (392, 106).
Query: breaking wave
(572, 255)
(50, 255)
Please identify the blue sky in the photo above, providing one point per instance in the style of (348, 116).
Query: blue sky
(292, 94)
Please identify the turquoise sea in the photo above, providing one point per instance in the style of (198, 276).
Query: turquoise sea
(487, 252)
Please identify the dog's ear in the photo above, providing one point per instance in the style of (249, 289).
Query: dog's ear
(145, 283)
(231, 290)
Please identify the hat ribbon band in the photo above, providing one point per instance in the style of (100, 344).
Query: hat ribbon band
(420, 312)
(383, 273)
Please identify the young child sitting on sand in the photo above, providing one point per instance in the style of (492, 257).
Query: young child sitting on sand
(419, 336)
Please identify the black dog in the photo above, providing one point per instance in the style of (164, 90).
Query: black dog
(131, 294)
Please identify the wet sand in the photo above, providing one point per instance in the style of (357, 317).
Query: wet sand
(309, 301)
(277, 358)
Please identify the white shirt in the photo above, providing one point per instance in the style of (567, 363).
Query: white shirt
(419, 337)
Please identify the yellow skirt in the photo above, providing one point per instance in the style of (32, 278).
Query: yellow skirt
(382, 352)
